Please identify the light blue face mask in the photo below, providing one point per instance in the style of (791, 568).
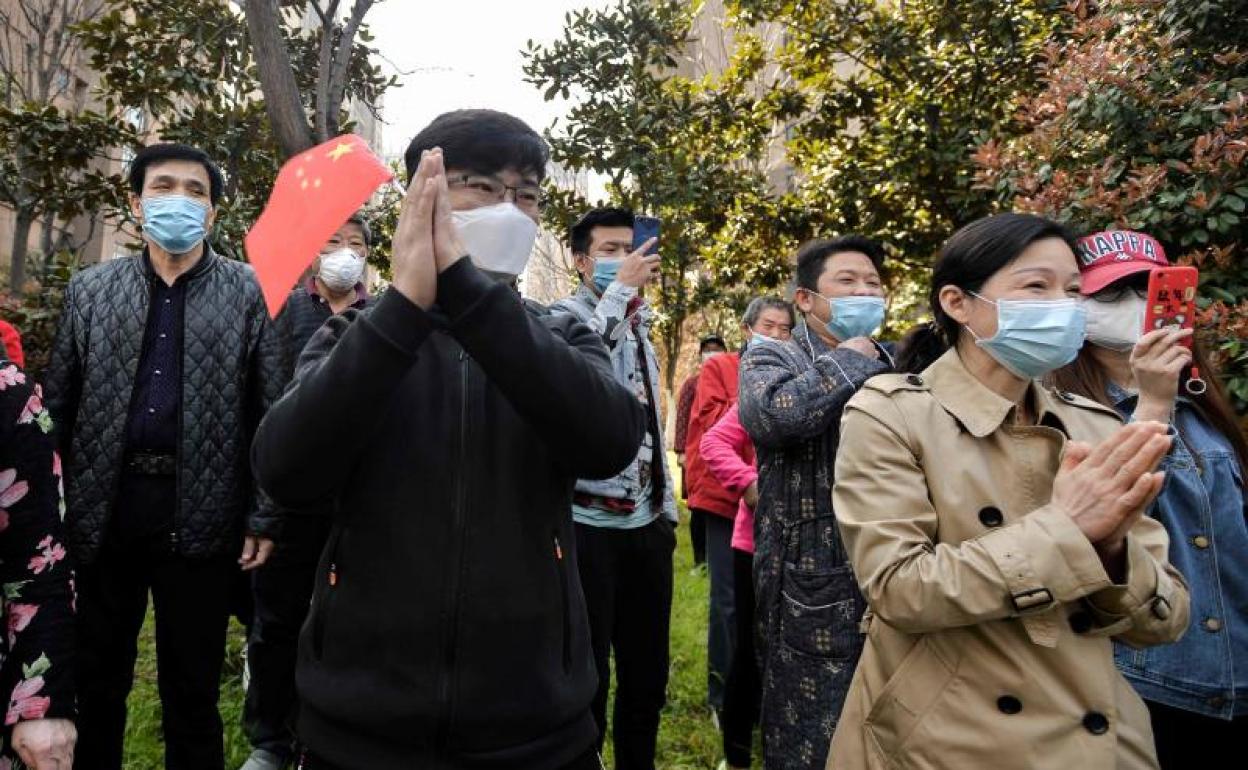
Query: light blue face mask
(605, 271)
(854, 316)
(175, 223)
(757, 339)
(1034, 337)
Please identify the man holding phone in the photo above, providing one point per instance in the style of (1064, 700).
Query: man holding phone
(625, 526)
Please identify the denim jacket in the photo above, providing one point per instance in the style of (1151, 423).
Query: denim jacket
(604, 315)
(1202, 506)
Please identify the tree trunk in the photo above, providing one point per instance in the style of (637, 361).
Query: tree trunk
(277, 77)
(17, 267)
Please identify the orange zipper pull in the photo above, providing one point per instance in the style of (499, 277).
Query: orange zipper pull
(333, 575)
(558, 550)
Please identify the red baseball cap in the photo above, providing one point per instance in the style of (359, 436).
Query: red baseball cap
(1106, 256)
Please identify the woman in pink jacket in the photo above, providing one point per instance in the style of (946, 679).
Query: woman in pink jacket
(729, 456)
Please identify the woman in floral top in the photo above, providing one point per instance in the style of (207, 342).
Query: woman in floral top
(36, 656)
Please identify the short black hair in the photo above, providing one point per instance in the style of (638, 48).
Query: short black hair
(580, 236)
(358, 218)
(713, 339)
(813, 256)
(480, 141)
(159, 153)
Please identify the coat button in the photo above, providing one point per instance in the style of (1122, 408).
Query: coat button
(1213, 625)
(1008, 704)
(1200, 541)
(915, 380)
(1067, 397)
(1080, 622)
(1095, 723)
(991, 516)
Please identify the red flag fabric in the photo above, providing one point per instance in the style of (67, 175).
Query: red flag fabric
(315, 192)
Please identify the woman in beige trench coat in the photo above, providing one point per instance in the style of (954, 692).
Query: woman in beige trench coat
(995, 528)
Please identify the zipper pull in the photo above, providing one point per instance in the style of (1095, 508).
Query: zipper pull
(333, 575)
(558, 549)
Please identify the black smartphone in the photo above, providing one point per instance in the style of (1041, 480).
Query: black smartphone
(645, 228)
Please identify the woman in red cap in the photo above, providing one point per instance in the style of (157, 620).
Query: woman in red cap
(1197, 688)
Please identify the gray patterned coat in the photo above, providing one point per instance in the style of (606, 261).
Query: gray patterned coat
(809, 606)
(231, 373)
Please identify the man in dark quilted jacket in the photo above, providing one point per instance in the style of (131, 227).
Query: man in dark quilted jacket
(163, 365)
(283, 589)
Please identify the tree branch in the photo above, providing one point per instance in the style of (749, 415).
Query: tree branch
(277, 77)
(342, 59)
(329, 25)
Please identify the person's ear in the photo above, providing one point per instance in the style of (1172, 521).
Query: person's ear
(212, 218)
(805, 300)
(746, 330)
(956, 303)
(136, 208)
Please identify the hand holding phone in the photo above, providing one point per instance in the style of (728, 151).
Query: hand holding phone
(1172, 305)
(645, 229)
(1171, 300)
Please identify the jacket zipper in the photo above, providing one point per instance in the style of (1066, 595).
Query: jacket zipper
(562, 568)
(321, 616)
(448, 656)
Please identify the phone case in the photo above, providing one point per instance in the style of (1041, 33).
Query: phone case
(645, 228)
(1171, 299)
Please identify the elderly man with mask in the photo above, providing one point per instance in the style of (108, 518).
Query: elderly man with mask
(162, 367)
(448, 424)
(283, 589)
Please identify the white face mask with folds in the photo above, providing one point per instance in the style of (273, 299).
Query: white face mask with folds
(341, 269)
(1116, 325)
(499, 238)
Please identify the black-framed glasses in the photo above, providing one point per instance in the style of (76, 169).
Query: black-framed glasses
(492, 189)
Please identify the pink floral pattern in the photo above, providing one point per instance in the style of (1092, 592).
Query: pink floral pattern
(10, 375)
(49, 553)
(26, 703)
(36, 582)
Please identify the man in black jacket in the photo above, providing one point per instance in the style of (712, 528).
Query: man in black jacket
(448, 424)
(162, 367)
(283, 589)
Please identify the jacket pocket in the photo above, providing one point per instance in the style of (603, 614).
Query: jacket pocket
(820, 611)
(561, 568)
(325, 594)
(912, 694)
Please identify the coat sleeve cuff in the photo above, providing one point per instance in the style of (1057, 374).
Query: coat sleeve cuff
(399, 321)
(1046, 560)
(1146, 589)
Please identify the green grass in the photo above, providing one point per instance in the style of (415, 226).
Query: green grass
(687, 739)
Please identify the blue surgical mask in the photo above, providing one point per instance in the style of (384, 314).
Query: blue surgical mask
(854, 316)
(757, 339)
(605, 271)
(1034, 337)
(175, 223)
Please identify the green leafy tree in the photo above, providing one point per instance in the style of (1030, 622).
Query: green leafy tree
(189, 65)
(54, 146)
(1143, 123)
(658, 142)
(883, 105)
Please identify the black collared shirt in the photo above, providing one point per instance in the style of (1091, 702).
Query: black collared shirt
(157, 397)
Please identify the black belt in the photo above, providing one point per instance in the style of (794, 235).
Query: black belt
(151, 463)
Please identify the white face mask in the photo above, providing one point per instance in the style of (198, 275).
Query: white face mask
(341, 270)
(1116, 325)
(499, 238)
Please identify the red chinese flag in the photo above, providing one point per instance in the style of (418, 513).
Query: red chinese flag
(316, 191)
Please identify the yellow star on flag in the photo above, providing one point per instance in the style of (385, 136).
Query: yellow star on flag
(342, 149)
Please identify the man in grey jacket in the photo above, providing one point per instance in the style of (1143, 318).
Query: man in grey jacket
(625, 526)
(791, 398)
